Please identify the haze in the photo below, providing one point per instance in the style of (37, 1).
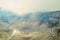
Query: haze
(24, 6)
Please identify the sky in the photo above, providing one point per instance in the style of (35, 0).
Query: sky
(24, 6)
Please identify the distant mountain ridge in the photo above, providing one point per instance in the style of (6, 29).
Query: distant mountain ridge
(30, 21)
